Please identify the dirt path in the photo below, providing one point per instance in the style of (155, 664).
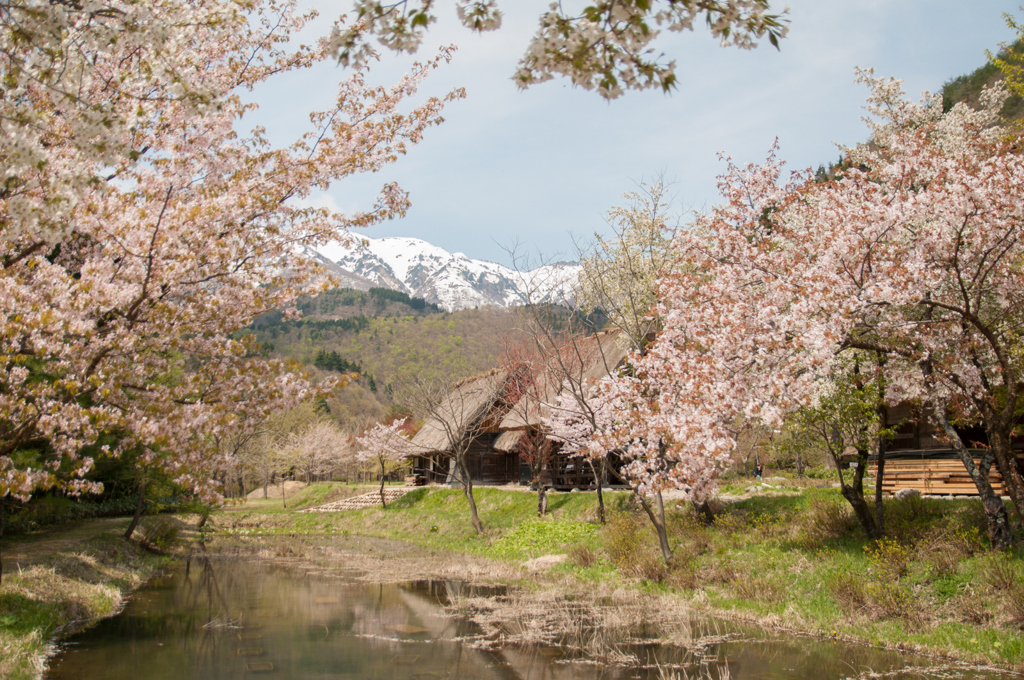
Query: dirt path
(22, 551)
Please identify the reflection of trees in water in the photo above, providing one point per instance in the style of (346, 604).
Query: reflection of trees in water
(201, 594)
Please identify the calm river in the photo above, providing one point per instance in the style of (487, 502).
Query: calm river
(221, 619)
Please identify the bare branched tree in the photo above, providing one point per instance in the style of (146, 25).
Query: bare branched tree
(455, 416)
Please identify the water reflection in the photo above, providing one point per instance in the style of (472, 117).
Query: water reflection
(224, 619)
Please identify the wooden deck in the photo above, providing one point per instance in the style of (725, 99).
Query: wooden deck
(933, 476)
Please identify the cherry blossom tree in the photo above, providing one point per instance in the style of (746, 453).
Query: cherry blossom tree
(912, 253)
(140, 228)
(604, 45)
(387, 446)
(320, 448)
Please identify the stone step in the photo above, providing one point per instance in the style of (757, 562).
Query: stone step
(366, 500)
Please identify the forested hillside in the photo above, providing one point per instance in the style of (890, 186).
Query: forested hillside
(388, 336)
(968, 88)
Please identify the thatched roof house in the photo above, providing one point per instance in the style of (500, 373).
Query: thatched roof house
(460, 412)
(465, 420)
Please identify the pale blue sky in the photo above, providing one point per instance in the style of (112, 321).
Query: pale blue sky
(541, 165)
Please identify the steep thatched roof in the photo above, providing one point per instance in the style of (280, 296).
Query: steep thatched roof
(598, 355)
(459, 413)
(508, 441)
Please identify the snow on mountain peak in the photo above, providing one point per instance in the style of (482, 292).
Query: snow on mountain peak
(451, 280)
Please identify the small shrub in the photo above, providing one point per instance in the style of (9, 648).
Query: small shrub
(970, 608)
(889, 557)
(892, 601)
(623, 539)
(943, 563)
(827, 519)
(1014, 603)
(719, 571)
(647, 567)
(582, 556)
(1001, 573)
(849, 591)
(683, 575)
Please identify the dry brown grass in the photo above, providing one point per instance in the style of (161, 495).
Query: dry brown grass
(61, 593)
(583, 556)
(759, 589)
(596, 623)
(849, 591)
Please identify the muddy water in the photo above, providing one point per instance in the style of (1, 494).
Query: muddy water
(225, 619)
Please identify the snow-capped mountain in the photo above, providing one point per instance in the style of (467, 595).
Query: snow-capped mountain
(452, 281)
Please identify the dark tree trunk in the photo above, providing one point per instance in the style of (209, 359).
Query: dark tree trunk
(1, 537)
(1006, 462)
(537, 477)
(383, 503)
(138, 510)
(703, 509)
(995, 510)
(467, 488)
(854, 494)
(657, 517)
(880, 471)
(598, 472)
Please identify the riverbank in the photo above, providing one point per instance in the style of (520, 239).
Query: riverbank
(56, 582)
(787, 558)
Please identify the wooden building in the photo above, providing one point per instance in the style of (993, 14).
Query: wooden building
(918, 458)
(466, 419)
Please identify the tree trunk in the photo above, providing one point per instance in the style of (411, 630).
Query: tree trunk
(284, 501)
(703, 509)
(854, 494)
(138, 510)
(1, 537)
(599, 482)
(1006, 462)
(383, 503)
(657, 517)
(537, 476)
(880, 472)
(467, 488)
(995, 510)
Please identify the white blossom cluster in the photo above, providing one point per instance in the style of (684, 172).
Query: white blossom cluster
(141, 229)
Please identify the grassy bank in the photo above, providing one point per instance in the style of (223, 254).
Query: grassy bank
(793, 558)
(67, 583)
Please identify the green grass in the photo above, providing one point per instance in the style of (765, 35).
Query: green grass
(86, 581)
